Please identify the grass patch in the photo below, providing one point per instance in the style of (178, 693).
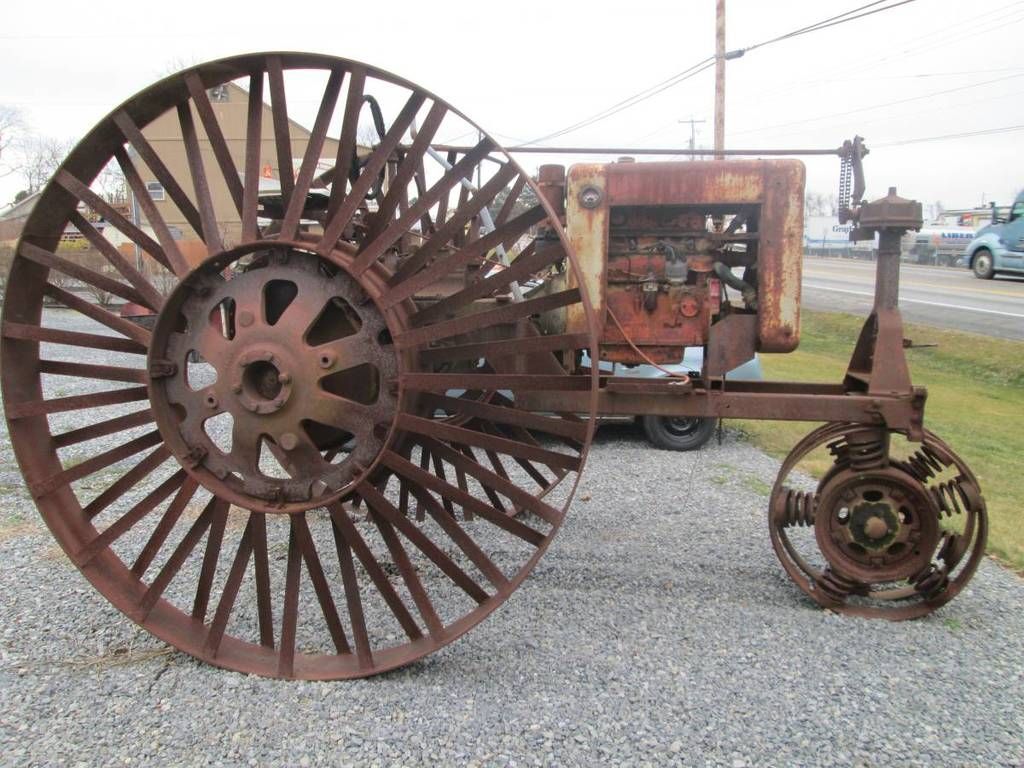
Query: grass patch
(975, 403)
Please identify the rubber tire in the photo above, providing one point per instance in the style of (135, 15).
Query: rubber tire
(984, 255)
(662, 433)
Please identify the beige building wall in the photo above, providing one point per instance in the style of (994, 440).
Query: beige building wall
(230, 105)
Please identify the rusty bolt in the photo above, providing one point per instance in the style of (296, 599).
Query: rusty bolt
(160, 368)
(289, 441)
(245, 318)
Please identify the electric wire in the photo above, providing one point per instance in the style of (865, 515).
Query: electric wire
(708, 62)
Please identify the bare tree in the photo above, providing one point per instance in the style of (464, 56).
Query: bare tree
(111, 184)
(40, 156)
(12, 125)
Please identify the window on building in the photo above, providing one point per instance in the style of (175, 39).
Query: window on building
(155, 189)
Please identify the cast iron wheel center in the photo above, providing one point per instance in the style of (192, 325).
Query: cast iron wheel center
(876, 526)
(274, 378)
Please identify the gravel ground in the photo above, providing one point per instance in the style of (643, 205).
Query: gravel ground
(659, 629)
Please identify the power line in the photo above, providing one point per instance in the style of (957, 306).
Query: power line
(873, 63)
(879, 106)
(964, 135)
(633, 100)
(708, 62)
(830, 22)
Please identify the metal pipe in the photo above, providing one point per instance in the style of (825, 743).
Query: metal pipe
(887, 269)
(646, 151)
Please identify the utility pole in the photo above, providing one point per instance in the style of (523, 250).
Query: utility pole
(719, 78)
(693, 134)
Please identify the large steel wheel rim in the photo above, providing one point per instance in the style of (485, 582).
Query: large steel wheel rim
(903, 568)
(405, 549)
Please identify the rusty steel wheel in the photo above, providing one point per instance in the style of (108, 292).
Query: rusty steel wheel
(892, 538)
(312, 456)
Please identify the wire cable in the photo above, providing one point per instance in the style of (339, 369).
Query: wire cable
(964, 135)
(708, 62)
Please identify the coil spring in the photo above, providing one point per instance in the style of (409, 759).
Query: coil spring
(837, 588)
(866, 452)
(795, 508)
(924, 464)
(932, 581)
(950, 497)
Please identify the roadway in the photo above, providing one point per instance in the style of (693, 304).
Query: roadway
(947, 297)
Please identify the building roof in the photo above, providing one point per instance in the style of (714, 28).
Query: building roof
(20, 209)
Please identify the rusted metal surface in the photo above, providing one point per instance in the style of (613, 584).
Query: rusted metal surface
(403, 391)
(357, 521)
(878, 549)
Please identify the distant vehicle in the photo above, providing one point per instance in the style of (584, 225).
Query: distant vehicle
(681, 433)
(999, 247)
(939, 244)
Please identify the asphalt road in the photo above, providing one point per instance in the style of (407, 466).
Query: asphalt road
(946, 297)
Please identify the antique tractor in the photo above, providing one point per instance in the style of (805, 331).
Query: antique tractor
(348, 411)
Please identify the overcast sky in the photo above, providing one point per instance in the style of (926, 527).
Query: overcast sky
(523, 70)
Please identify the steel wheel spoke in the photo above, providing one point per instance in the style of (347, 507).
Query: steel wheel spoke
(141, 145)
(253, 140)
(178, 557)
(487, 318)
(200, 184)
(352, 599)
(100, 315)
(338, 175)
(216, 138)
(228, 596)
(375, 163)
(71, 338)
(128, 520)
(381, 506)
(209, 568)
(297, 201)
(417, 476)
(126, 482)
(407, 169)
(316, 576)
(164, 527)
(170, 247)
(103, 428)
(53, 261)
(462, 169)
(345, 529)
(282, 132)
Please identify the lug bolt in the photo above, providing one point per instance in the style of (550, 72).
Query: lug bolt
(211, 401)
(284, 377)
(288, 441)
(237, 389)
(327, 359)
(245, 318)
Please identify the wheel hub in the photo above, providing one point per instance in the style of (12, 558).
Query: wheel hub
(876, 526)
(281, 378)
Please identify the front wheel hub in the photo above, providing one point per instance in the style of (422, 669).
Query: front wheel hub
(273, 378)
(876, 526)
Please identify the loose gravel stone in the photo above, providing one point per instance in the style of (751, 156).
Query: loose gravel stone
(659, 629)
